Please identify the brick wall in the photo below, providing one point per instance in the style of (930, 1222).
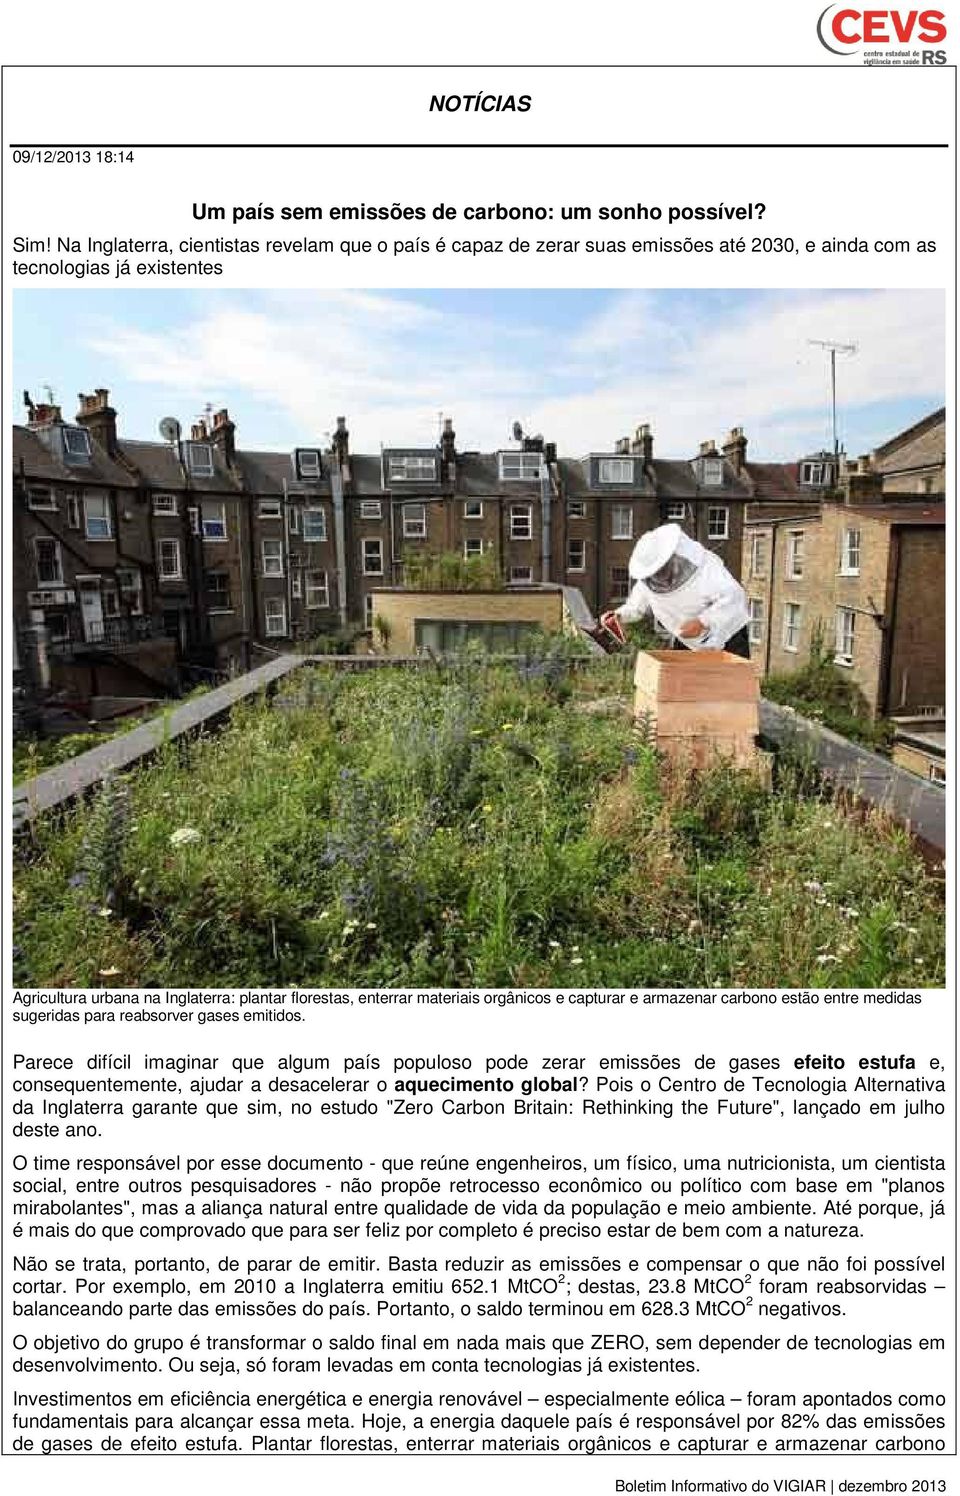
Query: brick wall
(402, 609)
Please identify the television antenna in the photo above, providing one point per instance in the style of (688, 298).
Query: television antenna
(833, 349)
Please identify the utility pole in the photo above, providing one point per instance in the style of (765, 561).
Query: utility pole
(833, 349)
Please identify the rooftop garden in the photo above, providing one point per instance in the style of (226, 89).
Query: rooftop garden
(481, 823)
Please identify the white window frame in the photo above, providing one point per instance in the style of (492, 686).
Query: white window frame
(313, 467)
(517, 580)
(56, 556)
(213, 527)
(293, 519)
(271, 560)
(621, 528)
(520, 467)
(850, 552)
(414, 528)
(576, 509)
(615, 586)
(816, 474)
(758, 555)
(200, 459)
(296, 584)
(521, 521)
(473, 509)
(365, 567)
(105, 518)
(80, 433)
(472, 546)
(846, 636)
(166, 503)
(41, 497)
(616, 470)
(318, 593)
(371, 509)
(269, 509)
(165, 574)
(792, 624)
(711, 472)
(275, 611)
(723, 510)
(796, 544)
(214, 609)
(677, 511)
(412, 469)
(757, 620)
(133, 588)
(314, 525)
(574, 546)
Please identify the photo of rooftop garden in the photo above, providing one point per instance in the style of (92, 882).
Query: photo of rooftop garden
(472, 821)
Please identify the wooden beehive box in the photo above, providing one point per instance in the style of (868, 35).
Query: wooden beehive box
(699, 704)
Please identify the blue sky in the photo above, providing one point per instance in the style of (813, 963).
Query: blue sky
(581, 366)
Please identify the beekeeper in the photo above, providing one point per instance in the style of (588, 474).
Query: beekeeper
(689, 592)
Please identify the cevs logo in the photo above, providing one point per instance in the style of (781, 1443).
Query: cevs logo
(844, 31)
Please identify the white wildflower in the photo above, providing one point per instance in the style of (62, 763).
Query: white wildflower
(184, 836)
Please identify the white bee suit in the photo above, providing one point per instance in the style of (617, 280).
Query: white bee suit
(706, 591)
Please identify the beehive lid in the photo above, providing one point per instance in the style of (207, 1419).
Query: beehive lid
(696, 675)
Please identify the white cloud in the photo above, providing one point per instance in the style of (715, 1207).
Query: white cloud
(692, 364)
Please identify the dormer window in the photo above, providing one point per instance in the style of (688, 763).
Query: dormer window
(520, 467)
(816, 474)
(307, 463)
(412, 470)
(711, 471)
(200, 459)
(76, 444)
(616, 470)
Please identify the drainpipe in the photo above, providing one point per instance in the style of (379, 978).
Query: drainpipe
(771, 594)
(546, 500)
(340, 545)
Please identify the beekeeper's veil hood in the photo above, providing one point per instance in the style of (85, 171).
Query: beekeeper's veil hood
(665, 559)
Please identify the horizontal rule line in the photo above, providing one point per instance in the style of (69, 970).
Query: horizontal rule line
(489, 145)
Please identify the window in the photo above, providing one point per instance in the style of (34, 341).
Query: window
(791, 626)
(193, 513)
(521, 521)
(49, 566)
(308, 462)
(76, 443)
(130, 583)
(73, 511)
(412, 469)
(57, 621)
(756, 620)
(218, 592)
(368, 611)
(96, 510)
(271, 552)
(200, 459)
(718, 522)
(371, 552)
(521, 575)
(314, 525)
(795, 554)
(111, 600)
(293, 520)
(296, 583)
(937, 773)
(414, 521)
(816, 474)
(41, 498)
(621, 525)
(472, 546)
(520, 467)
(846, 624)
(168, 560)
(318, 590)
(677, 511)
(711, 471)
(165, 503)
(619, 581)
(269, 509)
(473, 509)
(576, 555)
(370, 509)
(576, 509)
(616, 470)
(275, 617)
(758, 555)
(214, 521)
(850, 554)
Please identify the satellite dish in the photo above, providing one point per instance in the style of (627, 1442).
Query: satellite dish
(170, 429)
(517, 432)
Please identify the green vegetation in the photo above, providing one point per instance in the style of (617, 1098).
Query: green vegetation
(465, 825)
(823, 692)
(450, 571)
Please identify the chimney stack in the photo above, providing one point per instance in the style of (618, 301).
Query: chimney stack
(341, 442)
(41, 415)
(708, 448)
(198, 431)
(448, 450)
(642, 444)
(224, 436)
(100, 419)
(735, 449)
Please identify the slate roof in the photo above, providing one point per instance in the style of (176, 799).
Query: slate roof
(40, 463)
